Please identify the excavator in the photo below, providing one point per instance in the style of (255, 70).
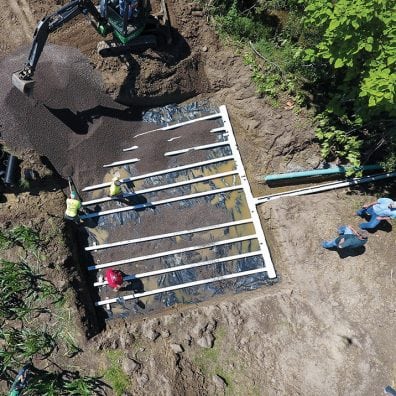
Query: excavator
(131, 22)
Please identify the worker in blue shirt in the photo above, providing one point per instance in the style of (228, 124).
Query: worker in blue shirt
(130, 5)
(348, 239)
(382, 209)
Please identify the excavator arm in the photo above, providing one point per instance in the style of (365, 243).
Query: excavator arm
(23, 79)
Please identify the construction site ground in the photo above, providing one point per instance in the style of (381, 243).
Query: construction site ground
(328, 325)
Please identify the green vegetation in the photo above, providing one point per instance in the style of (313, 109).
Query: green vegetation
(114, 374)
(25, 295)
(64, 325)
(23, 236)
(338, 57)
(213, 360)
(22, 292)
(21, 345)
(26, 237)
(65, 383)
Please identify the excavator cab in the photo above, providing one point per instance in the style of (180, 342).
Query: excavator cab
(133, 25)
(129, 22)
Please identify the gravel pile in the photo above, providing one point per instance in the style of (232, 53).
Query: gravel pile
(69, 119)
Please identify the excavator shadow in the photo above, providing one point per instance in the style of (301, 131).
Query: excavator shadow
(80, 121)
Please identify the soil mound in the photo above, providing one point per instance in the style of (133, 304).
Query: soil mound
(68, 119)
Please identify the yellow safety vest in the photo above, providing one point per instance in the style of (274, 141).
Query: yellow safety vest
(114, 189)
(72, 206)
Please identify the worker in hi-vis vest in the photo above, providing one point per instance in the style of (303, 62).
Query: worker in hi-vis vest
(115, 187)
(72, 206)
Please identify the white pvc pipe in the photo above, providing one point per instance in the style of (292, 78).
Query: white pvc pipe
(203, 147)
(162, 172)
(171, 252)
(326, 187)
(214, 130)
(248, 193)
(279, 194)
(130, 161)
(160, 188)
(183, 267)
(130, 148)
(161, 202)
(169, 235)
(181, 286)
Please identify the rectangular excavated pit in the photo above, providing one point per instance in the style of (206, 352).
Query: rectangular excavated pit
(186, 227)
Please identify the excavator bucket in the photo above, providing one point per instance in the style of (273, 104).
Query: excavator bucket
(25, 86)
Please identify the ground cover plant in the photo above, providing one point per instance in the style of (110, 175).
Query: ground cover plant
(27, 339)
(338, 57)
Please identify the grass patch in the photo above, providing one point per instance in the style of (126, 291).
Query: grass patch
(26, 237)
(65, 326)
(23, 236)
(35, 321)
(214, 360)
(114, 374)
(5, 241)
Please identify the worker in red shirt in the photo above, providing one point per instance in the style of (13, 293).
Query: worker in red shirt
(114, 278)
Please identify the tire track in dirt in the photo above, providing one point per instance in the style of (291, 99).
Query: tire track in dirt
(25, 7)
(8, 21)
(21, 10)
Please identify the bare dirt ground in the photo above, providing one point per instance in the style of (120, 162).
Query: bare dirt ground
(327, 327)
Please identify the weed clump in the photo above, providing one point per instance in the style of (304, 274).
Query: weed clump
(25, 295)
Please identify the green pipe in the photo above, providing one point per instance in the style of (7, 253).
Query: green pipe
(319, 172)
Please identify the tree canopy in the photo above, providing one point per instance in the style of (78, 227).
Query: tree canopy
(340, 52)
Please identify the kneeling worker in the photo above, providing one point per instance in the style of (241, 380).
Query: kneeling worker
(348, 239)
(114, 278)
(73, 204)
(115, 187)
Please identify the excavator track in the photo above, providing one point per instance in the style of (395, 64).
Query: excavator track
(111, 49)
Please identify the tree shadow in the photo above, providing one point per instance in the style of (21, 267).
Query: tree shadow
(385, 187)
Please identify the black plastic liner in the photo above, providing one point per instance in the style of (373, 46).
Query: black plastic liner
(208, 210)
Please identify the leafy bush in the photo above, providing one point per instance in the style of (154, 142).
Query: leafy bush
(336, 143)
(23, 296)
(240, 27)
(17, 285)
(342, 51)
(358, 42)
